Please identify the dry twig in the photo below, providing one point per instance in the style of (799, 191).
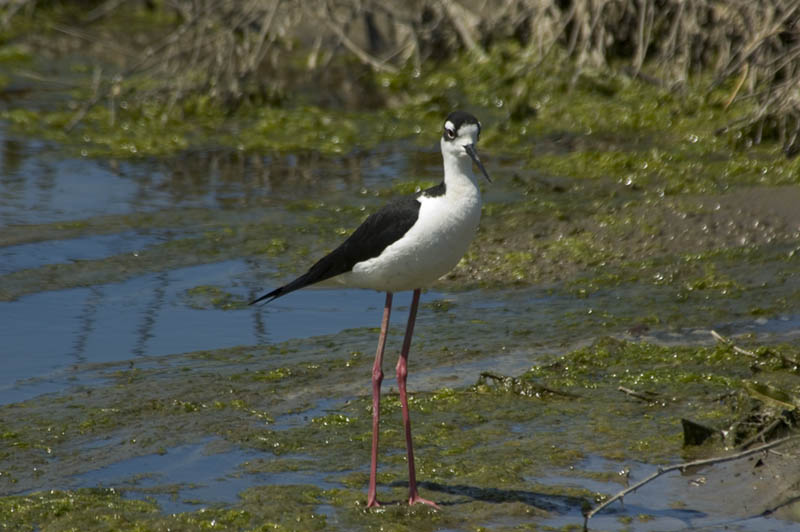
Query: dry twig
(681, 467)
(786, 361)
(727, 341)
(763, 432)
(526, 388)
(633, 393)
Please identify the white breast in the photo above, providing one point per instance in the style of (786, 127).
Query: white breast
(432, 247)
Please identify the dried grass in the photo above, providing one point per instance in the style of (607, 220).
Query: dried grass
(237, 49)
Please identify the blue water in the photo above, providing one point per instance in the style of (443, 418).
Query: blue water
(204, 476)
(38, 254)
(48, 337)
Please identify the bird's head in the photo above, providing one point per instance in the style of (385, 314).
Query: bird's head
(460, 135)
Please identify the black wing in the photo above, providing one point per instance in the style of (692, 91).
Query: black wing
(369, 240)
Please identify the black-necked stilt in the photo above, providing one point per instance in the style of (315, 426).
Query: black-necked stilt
(407, 245)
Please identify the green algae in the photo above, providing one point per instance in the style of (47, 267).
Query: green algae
(478, 447)
(322, 130)
(106, 509)
(634, 133)
(203, 297)
(147, 130)
(73, 510)
(22, 234)
(11, 54)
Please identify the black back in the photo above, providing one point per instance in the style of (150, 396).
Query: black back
(378, 231)
(437, 190)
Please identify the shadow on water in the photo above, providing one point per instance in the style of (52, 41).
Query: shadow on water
(568, 511)
(561, 504)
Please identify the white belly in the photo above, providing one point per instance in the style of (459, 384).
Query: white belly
(430, 249)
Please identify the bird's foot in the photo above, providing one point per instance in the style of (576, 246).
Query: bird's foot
(416, 499)
(373, 502)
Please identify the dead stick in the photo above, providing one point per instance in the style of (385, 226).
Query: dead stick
(727, 341)
(736, 349)
(662, 470)
(738, 86)
(365, 57)
(97, 78)
(456, 13)
(634, 393)
(766, 430)
(538, 387)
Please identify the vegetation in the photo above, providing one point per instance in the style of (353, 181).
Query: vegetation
(161, 60)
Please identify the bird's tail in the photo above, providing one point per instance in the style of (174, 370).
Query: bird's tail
(297, 284)
(328, 266)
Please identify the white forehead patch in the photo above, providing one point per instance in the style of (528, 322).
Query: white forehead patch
(469, 129)
(449, 125)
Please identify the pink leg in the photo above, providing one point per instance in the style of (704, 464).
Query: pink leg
(402, 373)
(377, 378)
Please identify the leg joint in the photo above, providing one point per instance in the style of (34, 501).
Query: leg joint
(402, 370)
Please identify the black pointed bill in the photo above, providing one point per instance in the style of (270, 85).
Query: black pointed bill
(470, 149)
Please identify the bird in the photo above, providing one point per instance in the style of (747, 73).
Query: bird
(406, 245)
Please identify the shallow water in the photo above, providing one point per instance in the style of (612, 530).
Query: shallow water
(196, 477)
(81, 336)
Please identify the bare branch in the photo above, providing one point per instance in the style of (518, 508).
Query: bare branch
(681, 467)
(634, 393)
(457, 15)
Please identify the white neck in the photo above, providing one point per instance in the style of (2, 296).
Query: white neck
(458, 172)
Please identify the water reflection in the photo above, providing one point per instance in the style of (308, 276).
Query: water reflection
(150, 315)
(11, 158)
(40, 185)
(86, 322)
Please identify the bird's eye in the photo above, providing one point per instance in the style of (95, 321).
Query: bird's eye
(449, 134)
